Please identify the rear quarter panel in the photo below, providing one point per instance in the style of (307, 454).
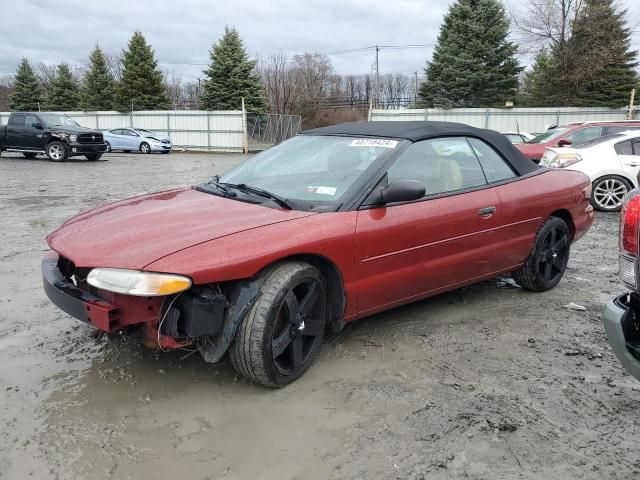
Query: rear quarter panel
(527, 203)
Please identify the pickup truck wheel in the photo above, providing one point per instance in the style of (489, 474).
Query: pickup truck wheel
(93, 156)
(57, 151)
(548, 259)
(608, 193)
(29, 154)
(281, 335)
(145, 148)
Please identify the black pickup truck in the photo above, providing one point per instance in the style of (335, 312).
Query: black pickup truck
(53, 134)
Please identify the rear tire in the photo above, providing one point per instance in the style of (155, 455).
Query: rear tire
(548, 259)
(607, 193)
(282, 334)
(145, 148)
(29, 154)
(57, 151)
(108, 147)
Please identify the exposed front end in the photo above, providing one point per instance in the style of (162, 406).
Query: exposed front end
(170, 311)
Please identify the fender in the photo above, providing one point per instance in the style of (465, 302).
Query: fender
(241, 298)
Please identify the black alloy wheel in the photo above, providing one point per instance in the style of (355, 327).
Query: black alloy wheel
(282, 334)
(547, 261)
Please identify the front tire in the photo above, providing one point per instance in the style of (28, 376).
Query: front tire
(57, 151)
(29, 154)
(281, 335)
(93, 156)
(608, 193)
(145, 148)
(548, 259)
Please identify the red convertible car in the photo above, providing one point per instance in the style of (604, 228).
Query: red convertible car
(333, 225)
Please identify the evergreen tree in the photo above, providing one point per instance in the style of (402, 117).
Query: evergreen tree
(230, 77)
(601, 65)
(473, 63)
(64, 91)
(97, 87)
(26, 89)
(141, 84)
(539, 83)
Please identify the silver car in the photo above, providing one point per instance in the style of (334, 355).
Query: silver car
(136, 139)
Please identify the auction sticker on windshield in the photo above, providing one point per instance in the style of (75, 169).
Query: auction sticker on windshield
(374, 142)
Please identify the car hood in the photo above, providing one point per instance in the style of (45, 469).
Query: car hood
(136, 232)
(71, 130)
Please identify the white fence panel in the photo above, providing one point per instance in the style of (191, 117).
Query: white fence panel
(194, 129)
(532, 120)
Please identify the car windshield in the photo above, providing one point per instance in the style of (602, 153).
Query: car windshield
(311, 170)
(145, 132)
(548, 135)
(57, 120)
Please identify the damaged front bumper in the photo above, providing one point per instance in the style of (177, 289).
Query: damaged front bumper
(621, 320)
(168, 322)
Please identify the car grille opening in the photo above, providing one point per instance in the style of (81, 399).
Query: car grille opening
(90, 138)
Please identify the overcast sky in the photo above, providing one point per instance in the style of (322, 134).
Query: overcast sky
(182, 31)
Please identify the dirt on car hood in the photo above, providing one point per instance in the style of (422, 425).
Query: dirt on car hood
(135, 232)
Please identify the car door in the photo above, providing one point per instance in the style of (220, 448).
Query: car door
(628, 153)
(17, 131)
(519, 217)
(34, 138)
(408, 250)
(132, 139)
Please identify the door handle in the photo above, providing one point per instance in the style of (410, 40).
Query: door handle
(487, 211)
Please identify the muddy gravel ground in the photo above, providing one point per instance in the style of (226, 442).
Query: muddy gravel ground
(487, 382)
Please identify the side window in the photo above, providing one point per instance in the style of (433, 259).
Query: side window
(441, 164)
(29, 120)
(584, 135)
(17, 120)
(624, 148)
(494, 166)
(636, 146)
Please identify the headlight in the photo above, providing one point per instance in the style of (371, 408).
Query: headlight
(133, 282)
(563, 160)
(73, 138)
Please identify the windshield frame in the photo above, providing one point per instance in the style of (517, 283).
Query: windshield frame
(549, 135)
(43, 119)
(351, 198)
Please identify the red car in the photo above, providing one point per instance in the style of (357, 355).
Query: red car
(333, 225)
(572, 134)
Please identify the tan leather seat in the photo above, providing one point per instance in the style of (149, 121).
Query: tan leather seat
(450, 175)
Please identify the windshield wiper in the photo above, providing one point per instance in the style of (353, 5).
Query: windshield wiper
(243, 187)
(221, 187)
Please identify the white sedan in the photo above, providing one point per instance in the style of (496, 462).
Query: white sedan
(612, 162)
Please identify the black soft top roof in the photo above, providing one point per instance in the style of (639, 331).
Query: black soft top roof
(417, 130)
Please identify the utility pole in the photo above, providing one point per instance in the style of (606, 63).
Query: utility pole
(377, 86)
(630, 115)
(415, 96)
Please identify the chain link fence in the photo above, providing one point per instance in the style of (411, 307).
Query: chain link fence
(267, 129)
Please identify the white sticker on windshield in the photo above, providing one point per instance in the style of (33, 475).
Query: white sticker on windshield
(374, 142)
(321, 190)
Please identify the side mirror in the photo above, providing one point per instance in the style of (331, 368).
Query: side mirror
(563, 142)
(37, 125)
(399, 191)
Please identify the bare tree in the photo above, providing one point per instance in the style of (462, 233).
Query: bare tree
(114, 63)
(545, 23)
(6, 90)
(279, 83)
